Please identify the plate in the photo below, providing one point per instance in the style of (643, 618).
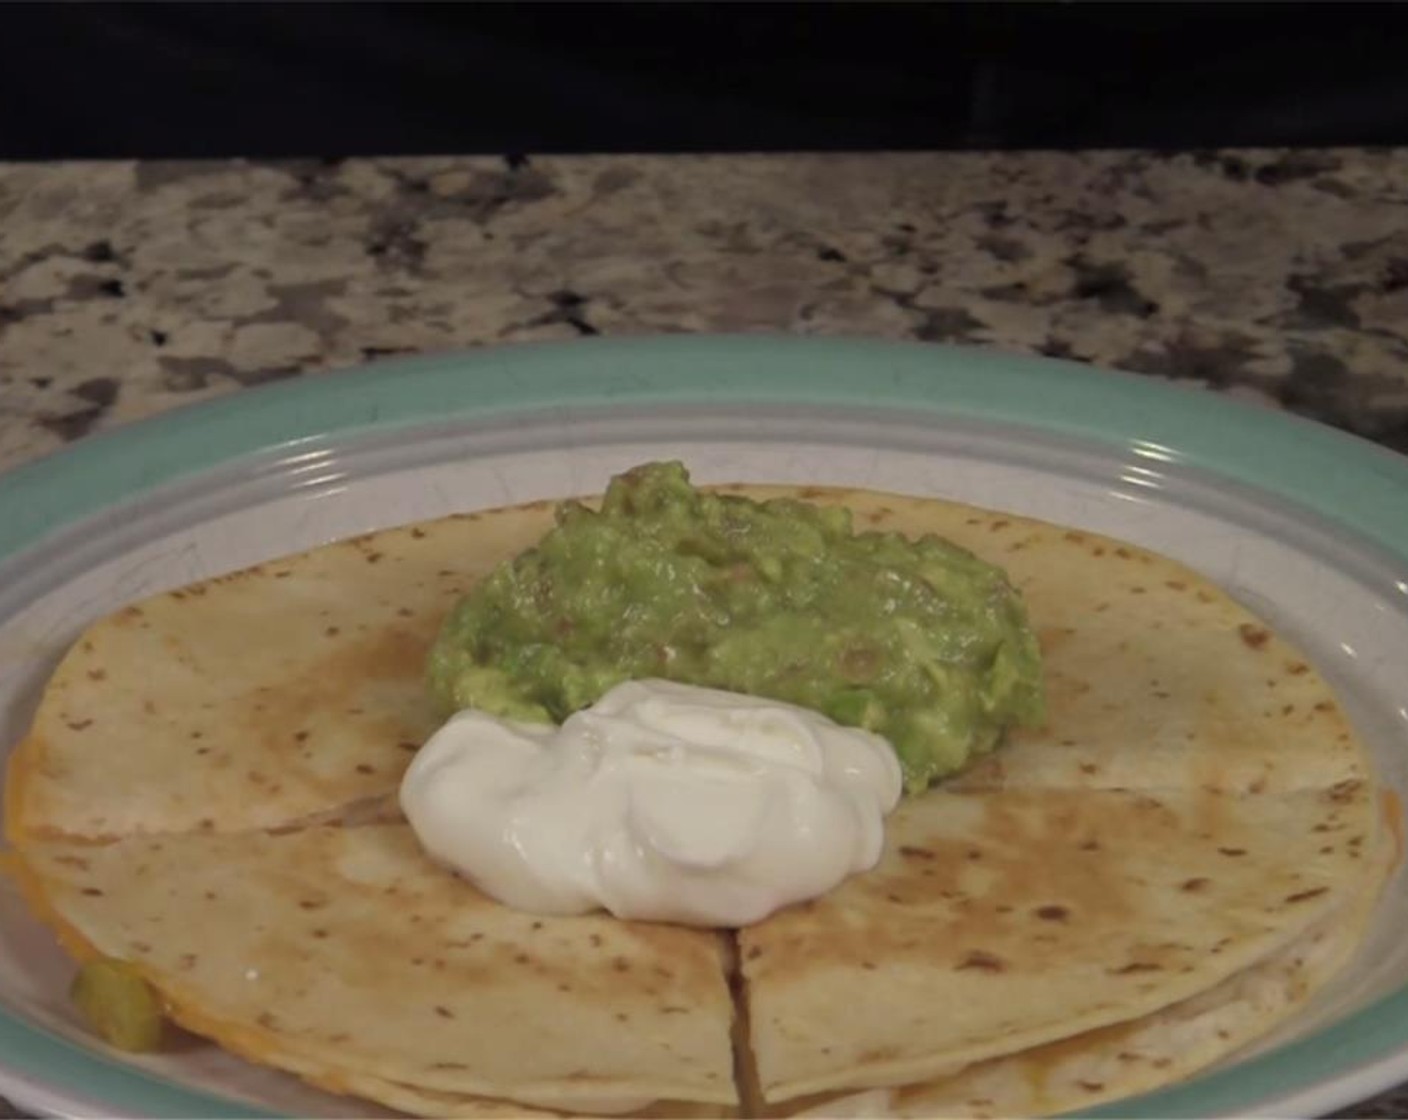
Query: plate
(1302, 523)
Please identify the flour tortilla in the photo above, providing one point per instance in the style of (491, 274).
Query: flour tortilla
(1001, 920)
(1137, 1056)
(258, 699)
(345, 949)
(1228, 801)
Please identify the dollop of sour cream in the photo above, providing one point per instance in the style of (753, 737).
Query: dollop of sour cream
(661, 802)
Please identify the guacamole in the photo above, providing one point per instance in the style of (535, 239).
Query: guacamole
(917, 640)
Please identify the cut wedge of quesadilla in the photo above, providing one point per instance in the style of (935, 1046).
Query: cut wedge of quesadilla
(255, 699)
(208, 792)
(1000, 920)
(1139, 1055)
(345, 949)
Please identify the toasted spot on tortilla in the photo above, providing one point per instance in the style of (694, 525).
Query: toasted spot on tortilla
(988, 962)
(1254, 637)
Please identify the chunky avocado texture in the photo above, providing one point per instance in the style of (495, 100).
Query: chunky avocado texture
(917, 640)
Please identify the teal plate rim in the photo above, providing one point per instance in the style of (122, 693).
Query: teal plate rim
(1338, 477)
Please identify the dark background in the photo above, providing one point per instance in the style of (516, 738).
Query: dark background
(185, 80)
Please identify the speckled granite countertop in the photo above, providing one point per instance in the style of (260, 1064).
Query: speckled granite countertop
(126, 288)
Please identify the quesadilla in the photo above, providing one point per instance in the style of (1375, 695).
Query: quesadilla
(1195, 821)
